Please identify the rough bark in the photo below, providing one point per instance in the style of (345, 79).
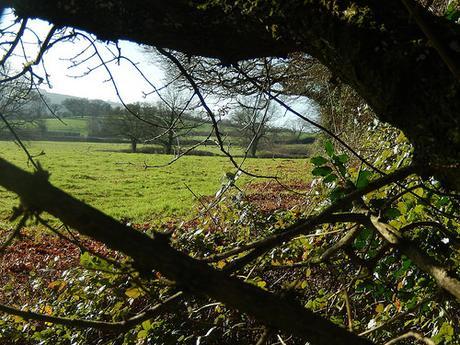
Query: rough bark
(372, 45)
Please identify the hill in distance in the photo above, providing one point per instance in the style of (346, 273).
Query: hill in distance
(58, 98)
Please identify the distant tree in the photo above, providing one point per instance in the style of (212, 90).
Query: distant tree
(173, 116)
(19, 103)
(98, 107)
(163, 123)
(253, 123)
(76, 106)
(85, 107)
(298, 128)
(135, 129)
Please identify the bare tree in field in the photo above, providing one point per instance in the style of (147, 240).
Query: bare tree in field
(136, 129)
(174, 116)
(253, 123)
(19, 101)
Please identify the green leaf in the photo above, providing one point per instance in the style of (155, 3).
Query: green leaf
(445, 334)
(453, 11)
(406, 264)
(336, 194)
(330, 178)
(318, 160)
(85, 259)
(392, 213)
(362, 238)
(363, 179)
(262, 284)
(146, 325)
(343, 158)
(133, 292)
(329, 148)
(321, 171)
(442, 201)
(342, 170)
(142, 334)
(93, 262)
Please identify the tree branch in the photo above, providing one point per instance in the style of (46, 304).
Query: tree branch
(326, 216)
(427, 29)
(411, 334)
(441, 274)
(82, 323)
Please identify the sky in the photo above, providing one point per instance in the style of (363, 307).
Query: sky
(64, 78)
(94, 85)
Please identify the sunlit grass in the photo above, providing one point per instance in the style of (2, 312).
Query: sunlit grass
(70, 125)
(117, 183)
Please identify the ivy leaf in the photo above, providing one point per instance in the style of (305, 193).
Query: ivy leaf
(93, 262)
(336, 194)
(452, 12)
(343, 158)
(362, 239)
(392, 213)
(445, 334)
(363, 179)
(321, 171)
(329, 148)
(262, 284)
(133, 292)
(406, 264)
(342, 170)
(330, 178)
(442, 201)
(146, 325)
(142, 334)
(318, 160)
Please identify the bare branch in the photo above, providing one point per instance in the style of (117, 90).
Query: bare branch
(325, 216)
(15, 42)
(411, 334)
(120, 326)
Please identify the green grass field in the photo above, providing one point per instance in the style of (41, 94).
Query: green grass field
(70, 125)
(116, 182)
(80, 125)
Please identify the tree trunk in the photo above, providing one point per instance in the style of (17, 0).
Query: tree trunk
(133, 145)
(169, 144)
(253, 148)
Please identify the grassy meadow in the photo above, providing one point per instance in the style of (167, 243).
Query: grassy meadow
(116, 182)
(71, 125)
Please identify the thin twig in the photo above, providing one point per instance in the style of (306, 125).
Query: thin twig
(120, 326)
(14, 233)
(411, 334)
(19, 141)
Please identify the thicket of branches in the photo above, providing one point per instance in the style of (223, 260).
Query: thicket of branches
(369, 255)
